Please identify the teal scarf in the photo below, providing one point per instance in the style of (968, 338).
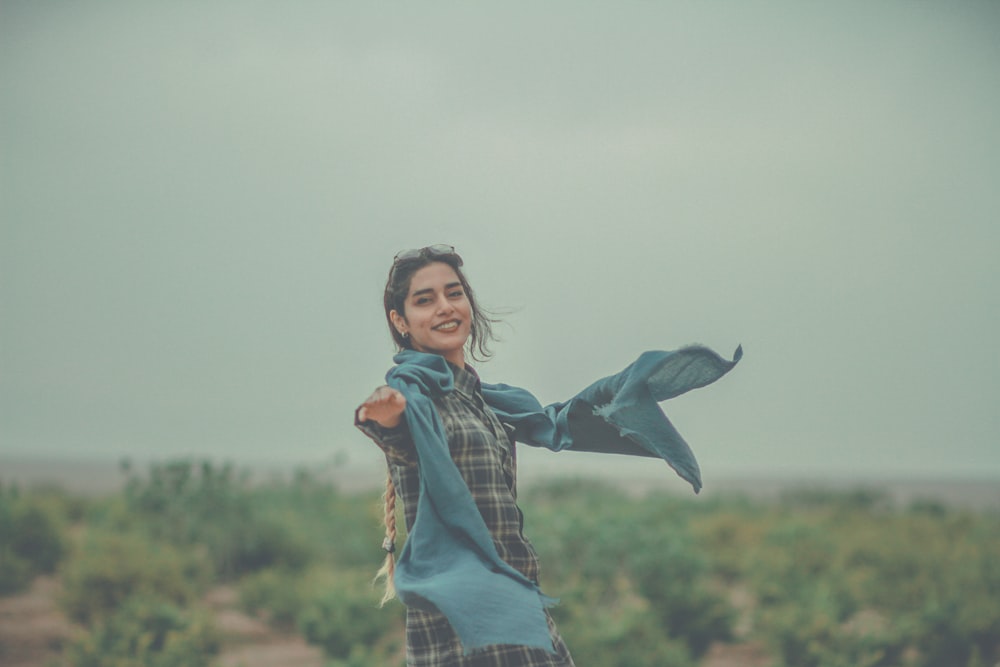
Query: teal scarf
(449, 563)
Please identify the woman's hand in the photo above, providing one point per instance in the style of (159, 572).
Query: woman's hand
(385, 407)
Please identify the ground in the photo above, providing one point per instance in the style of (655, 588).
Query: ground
(33, 630)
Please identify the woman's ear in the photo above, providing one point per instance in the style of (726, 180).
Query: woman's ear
(398, 321)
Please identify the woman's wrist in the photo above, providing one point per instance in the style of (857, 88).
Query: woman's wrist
(387, 423)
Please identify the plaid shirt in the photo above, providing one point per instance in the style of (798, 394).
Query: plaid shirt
(484, 454)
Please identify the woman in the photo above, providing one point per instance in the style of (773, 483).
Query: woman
(467, 573)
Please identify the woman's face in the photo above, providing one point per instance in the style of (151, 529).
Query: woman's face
(437, 314)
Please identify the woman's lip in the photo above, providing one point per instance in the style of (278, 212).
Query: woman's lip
(457, 324)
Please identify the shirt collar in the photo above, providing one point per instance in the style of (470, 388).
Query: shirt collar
(466, 380)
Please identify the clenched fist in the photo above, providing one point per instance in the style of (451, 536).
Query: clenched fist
(385, 407)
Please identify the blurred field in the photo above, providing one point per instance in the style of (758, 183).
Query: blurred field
(191, 563)
(96, 477)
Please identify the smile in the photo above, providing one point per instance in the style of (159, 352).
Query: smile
(451, 325)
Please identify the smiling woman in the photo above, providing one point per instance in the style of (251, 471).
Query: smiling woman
(431, 309)
(400, 289)
(436, 315)
(467, 574)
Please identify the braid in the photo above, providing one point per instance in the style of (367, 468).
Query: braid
(388, 568)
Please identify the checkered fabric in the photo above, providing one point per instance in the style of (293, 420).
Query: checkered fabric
(484, 454)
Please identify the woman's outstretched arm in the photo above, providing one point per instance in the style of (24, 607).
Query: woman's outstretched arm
(385, 407)
(380, 417)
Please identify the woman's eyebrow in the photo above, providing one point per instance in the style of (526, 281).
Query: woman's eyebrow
(430, 290)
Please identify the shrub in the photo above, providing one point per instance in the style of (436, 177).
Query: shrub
(186, 504)
(730, 537)
(111, 568)
(792, 556)
(37, 538)
(814, 631)
(280, 594)
(672, 573)
(959, 624)
(15, 572)
(617, 629)
(147, 632)
(337, 610)
(844, 583)
(594, 537)
(341, 614)
(344, 530)
(32, 539)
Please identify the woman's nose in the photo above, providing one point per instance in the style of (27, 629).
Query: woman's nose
(444, 306)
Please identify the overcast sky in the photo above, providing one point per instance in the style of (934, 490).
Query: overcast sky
(200, 201)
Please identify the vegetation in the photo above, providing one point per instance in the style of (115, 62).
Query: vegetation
(147, 632)
(817, 578)
(32, 536)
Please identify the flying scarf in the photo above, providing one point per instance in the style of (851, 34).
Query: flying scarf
(449, 562)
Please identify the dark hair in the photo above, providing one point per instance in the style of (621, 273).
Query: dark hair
(397, 288)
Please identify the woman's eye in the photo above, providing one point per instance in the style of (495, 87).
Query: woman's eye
(423, 300)
(456, 293)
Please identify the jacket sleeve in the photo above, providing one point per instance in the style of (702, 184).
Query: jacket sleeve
(395, 442)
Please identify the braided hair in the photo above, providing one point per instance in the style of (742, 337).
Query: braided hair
(388, 568)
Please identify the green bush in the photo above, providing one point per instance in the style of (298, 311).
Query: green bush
(32, 539)
(729, 535)
(851, 583)
(824, 579)
(676, 583)
(190, 504)
(110, 568)
(344, 530)
(37, 538)
(342, 613)
(814, 632)
(618, 627)
(278, 594)
(15, 572)
(960, 622)
(593, 536)
(337, 610)
(147, 632)
(791, 558)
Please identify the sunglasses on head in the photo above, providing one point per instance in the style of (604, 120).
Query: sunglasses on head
(429, 252)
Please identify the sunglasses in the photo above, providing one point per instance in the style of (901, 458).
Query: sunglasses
(429, 252)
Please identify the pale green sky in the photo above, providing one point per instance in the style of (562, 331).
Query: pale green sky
(199, 203)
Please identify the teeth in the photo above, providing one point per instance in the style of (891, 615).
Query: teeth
(447, 326)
